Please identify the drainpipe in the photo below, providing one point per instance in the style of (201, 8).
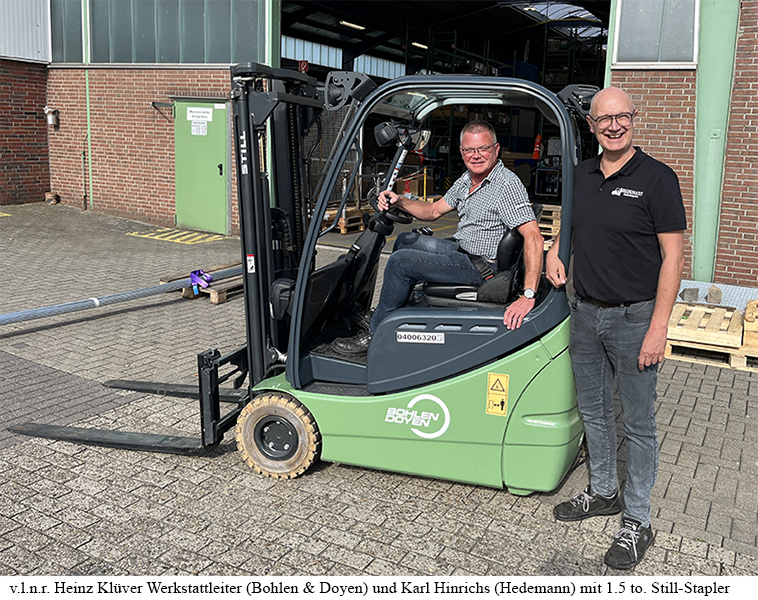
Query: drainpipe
(715, 75)
(610, 44)
(86, 60)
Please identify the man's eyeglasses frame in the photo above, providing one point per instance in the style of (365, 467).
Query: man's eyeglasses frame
(483, 150)
(610, 118)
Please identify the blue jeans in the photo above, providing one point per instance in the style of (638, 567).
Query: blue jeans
(606, 342)
(416, 257)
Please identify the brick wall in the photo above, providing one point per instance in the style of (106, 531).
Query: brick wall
(132, 143)
(24, 169)
(665, 128)
(737, 254)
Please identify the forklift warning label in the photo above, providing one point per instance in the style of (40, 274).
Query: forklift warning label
(426, 415)
(497, 394)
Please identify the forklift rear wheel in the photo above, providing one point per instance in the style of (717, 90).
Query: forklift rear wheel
(278, 436)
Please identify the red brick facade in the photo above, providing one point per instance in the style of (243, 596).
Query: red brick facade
(737, 252)
(24, 168)
(132, 142)
(665, 127)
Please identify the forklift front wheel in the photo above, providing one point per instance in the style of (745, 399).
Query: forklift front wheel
(278, 436)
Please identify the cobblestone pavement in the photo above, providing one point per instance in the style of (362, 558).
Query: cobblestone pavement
(71, 510)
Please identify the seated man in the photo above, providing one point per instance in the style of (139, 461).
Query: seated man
(489, 199)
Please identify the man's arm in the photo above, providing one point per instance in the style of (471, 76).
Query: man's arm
(423, 211)
(555, 270)
(671, 244)
(533, 251)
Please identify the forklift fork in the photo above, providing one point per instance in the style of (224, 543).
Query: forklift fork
(212, 423)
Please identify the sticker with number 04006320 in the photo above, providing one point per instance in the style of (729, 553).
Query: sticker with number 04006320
(420, 337)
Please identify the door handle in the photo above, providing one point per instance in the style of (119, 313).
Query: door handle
(220, 169)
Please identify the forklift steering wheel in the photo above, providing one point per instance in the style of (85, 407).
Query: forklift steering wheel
(398, 216)
(393, 214)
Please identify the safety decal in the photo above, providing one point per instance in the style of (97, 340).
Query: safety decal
(427, 416)
(497, 394)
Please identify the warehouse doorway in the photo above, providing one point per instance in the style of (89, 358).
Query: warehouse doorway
(203, 178)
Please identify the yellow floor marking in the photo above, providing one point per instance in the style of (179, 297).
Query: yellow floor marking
(178, 237)
(4, 215)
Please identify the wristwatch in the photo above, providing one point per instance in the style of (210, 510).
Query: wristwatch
(528, 294)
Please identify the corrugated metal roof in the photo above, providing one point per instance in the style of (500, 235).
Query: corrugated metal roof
(25, 29)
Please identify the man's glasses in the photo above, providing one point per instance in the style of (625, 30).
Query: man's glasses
(624, 119)
(481, 150)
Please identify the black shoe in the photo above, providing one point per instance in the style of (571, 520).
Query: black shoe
(629, 545)
(353, 346)
(363, 319)
(584, 505)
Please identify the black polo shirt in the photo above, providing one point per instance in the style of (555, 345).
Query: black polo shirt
(616, 221)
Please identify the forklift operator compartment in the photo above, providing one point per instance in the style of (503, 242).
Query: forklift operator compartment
(430, 339)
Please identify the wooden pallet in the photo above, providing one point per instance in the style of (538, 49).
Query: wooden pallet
(713, 325)
(217, 290)
(350, 221)
(550, 223)
(750, 336)
(744, 358)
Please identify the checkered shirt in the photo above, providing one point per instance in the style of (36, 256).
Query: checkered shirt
(499, 203)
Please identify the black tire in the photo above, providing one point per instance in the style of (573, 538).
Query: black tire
(278, 436)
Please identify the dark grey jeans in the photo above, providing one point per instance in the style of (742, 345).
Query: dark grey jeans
(605, 344)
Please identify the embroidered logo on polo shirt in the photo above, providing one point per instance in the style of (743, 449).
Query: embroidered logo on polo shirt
(619, 191)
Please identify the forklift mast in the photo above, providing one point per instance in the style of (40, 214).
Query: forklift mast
(272, 231)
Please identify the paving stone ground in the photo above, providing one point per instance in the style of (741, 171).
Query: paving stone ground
(75, 510)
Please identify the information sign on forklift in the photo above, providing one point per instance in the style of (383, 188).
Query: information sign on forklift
(445, 389)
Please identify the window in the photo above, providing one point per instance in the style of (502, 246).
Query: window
(656, 33)
(66, 28)
(158, 31)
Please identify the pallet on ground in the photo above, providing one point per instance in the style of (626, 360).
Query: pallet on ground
(349, 221)
(217, 290)
(714, 325)
(744, 358)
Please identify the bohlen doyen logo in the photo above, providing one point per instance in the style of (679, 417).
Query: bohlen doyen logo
(427, 416)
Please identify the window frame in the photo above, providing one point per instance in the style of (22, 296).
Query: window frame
(657, 65)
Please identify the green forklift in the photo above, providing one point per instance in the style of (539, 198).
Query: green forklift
(445, 390)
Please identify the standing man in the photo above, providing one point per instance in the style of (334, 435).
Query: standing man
(489, 199)
(628, 226)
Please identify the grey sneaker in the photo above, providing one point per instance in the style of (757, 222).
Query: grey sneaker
(629, 545)
(585, 505)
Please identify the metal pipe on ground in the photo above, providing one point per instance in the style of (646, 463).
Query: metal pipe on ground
(60, 309)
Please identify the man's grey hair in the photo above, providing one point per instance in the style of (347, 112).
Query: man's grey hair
(478, 127)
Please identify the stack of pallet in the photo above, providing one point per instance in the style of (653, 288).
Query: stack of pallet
(550, 223)
(714, 334)
(350, 219)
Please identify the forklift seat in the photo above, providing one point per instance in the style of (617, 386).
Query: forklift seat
(495, 292)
